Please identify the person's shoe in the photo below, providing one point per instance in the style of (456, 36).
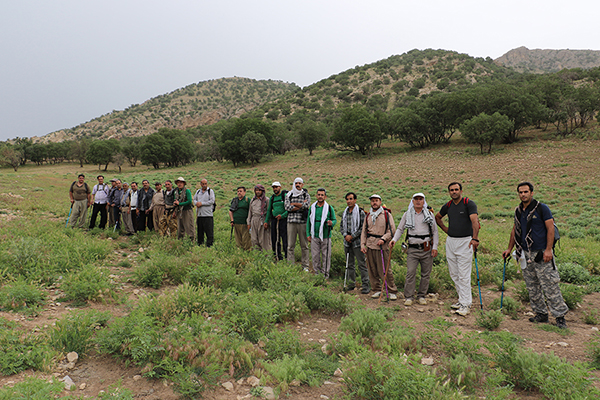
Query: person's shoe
(376, 295)
(365, 291)
(560, 322)
(408, 302)
(455, 306)
(349, 288)
(393, 296)
(463, 310)
(540, 318)
(305, 269)
(422, 301)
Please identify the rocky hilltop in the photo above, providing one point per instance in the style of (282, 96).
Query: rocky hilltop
(202, 103)
(541, 61)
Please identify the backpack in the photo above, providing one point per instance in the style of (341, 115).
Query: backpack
(465, 201)
(386, 212)
(556, 231)
(87, 188)
(214, 207)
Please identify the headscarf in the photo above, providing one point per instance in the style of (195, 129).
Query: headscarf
(324, 215)
(295, 192)
(428, 217)
(354, 223)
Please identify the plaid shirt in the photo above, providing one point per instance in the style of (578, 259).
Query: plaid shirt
(355, 235)
(297, 217)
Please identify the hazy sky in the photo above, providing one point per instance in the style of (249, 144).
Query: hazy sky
(66, 62)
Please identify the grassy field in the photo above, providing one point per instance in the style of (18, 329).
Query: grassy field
(191, 316)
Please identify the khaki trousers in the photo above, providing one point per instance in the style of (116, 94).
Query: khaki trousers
(185, 224)
(79, 213)
(242, 236)
(300, 231)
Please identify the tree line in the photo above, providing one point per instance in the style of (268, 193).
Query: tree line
(485, 114)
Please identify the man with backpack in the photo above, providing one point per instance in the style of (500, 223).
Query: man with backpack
(204, 199)
(277, 217)
(534, 236)
(81, 198)
(321, 219)
(144, 214)
(378, 230)
(297, 202)
(351, 227)
(421, 246)
(100, 194)
(257, 214)
(462, 241)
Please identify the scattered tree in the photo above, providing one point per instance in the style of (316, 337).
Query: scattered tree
(485, 129)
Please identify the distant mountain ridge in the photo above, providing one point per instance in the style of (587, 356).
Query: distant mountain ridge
(540, 61)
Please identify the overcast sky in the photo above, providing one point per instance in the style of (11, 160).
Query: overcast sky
(66, 62)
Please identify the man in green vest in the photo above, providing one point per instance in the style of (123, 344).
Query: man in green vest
(321, 219)
(185, 211)
(238, 213)
(277, 217)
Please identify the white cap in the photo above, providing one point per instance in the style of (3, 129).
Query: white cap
(276, 183)
(375, 196)
(298, 180)
(418, 195)
(180, 179)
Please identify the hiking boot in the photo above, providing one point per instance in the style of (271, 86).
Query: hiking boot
(393, 296)
(540, 318)
(463, 310)
(408, 302)
(455, 306)
(376, 295)
(365, 290)
(422, 301)
(349, 288)
(560, 322)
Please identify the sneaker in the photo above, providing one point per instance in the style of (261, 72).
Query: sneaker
(540, 318)
(365, 291)
(393, 296)
(376, 295)
(463, 310)
(305, 269)
(422, 301)
(408, 302)
(560, 322)
(455, 306)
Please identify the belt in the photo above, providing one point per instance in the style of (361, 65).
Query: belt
(419, 246)
(375, 236)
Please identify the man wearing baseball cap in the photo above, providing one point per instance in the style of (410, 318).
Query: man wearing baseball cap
(377, 233)
(277, 218)
(422, 242)
(185, 210)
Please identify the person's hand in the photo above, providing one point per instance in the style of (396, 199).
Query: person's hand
(474, 243)
(309, 239)
(278, 217)
(434, 253)
(232, 222)
(266, 226)
(505, 254)
(364, 250)
(392, 243)
(348, 238)
(381, 242)
(330, 223)
(548, 255)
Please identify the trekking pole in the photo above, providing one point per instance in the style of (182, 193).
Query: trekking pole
(478, 283)
(69, 217)
(346, 272)
(231, 233)
(387, 296)
(503, 276)
(278, 241)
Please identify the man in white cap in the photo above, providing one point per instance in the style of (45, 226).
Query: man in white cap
(377, 233)
(185, 211)
(297, 202)
(422, 241)
(277, 217)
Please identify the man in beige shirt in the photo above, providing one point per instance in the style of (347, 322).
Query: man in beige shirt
(158, 204)
(378, 230)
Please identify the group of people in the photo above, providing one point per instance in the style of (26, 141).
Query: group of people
(275, 223)
(369, 237)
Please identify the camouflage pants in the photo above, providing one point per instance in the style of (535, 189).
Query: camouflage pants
(542, 280)
(167, 225)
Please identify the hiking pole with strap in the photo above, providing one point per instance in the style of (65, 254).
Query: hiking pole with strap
(503, 276)
(231, 233)
(478, 283)
(387, 296)
(278, 241)
(69, 217)
(346, 272)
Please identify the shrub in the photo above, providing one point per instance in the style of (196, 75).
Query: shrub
(396, 340)
(489, 320)
(318, 298)
(593, 350)
(33, 389)
(462, 372)
(365, 323)
(591, 317)
(89, 284)
(521, 291)
(572, 294)
(75, 331)
(510, 307)
(149, 275)
(21, 296)
(287, 369)
(21, 352)
(279, 343)
(573, 273)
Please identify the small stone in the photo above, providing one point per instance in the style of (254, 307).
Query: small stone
(68, 382)
(228, 386)
(295, 382)
(427, 360)
(421, 310)
(338, 373)
(136, 291)
(72, 357)
(82, 386)
(253, 381)
(328, 383)
(137, 377)
(322, 340)
(562, 344)
(323, 397)
(269, 393)
(240, 381)
(594, 329)
(141, 250)
(324, 349)
(70, 365)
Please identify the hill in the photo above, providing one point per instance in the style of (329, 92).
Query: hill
(542, 61)
(203, 103)
(388, 83)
